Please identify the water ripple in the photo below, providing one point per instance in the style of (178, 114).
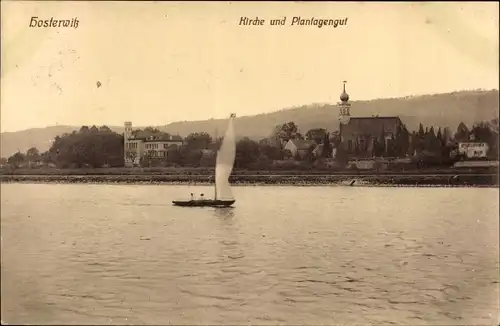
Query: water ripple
(94, 255)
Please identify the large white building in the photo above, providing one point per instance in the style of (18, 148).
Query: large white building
(473, 149)
(151, 143)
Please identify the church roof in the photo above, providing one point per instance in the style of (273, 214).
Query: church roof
(371, 125)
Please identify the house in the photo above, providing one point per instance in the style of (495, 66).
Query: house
(150, 143)
(359, 134)
(473, 149)
(298, 146)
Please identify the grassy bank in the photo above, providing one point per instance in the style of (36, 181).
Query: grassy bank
(468, 179)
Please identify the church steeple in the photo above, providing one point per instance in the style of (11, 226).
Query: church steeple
(344, 97)
(344, 106)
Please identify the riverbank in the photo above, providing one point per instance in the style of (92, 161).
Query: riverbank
(206, 171)
(410, 180)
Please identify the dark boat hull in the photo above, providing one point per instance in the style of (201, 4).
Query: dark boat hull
(203, 203)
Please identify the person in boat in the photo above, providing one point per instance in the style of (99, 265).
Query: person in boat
(201, 197)
(192, 196)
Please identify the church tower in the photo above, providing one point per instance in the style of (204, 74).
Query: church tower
(344, 107)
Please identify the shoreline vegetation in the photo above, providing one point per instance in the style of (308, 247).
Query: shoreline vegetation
(202, 176)
(372, 151)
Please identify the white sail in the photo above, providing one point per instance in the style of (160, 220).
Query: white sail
(225, 162)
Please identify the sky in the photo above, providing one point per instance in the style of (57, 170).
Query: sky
(161, 62)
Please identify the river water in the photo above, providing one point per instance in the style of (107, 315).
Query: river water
(122, 254)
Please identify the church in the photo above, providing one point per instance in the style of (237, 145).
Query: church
(359, 135)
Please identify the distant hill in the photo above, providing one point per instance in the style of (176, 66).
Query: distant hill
(439, 110)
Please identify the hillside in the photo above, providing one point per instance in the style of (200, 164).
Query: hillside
(444, 110)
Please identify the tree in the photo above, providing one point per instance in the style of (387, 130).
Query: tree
(152, 130)
(208, 159)
(84, 129)
(32, 155)
(431, 142)
(462, 134)
(45, 157)
(149, 159)
(446, 135)
(486, 132)
(481, 132)
(316, 134)
(439, 136)
(217, 143)
(327, 146)
(431, 132)
(94, 148)
(190, 157)
(286, 131)
(172, 154)
(494, 125)
(104, 129)
(412, 146)
(421, 132)
(335, 139)
(270, 152)
(298, 135)
(16, 160)
(401, 142)
(131, 155)
(247, 152)
(198, 140)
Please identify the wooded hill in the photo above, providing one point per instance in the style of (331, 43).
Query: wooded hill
(439, 110)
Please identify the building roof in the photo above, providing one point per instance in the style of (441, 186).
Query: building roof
(152, 136)
(371, 125)
(177, 138)
(145, 134)
(302, 144)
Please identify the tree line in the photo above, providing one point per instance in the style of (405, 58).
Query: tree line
(101, 147)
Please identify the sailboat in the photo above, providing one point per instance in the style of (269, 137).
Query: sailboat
(223, 196)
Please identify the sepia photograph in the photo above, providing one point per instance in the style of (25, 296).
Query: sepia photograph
(249, 163)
